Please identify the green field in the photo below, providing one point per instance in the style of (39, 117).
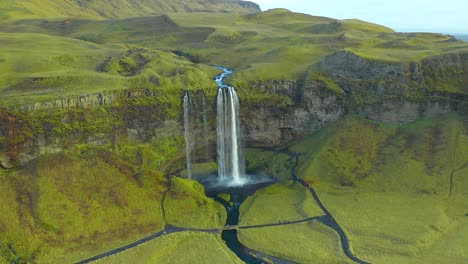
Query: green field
(302, 243)
(81, 181)
(46, 58)
(278, 203)
(187, 247)
(389, 186)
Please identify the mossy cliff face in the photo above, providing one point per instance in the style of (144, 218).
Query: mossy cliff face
(277, 111)
(136, 116)
(280, 111)
(355, 74)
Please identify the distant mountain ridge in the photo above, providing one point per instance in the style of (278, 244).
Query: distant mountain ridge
(112, 9)
(463, 37)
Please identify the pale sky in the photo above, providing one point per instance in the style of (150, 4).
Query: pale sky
(446, 16)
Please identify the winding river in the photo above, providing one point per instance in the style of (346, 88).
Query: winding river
(237, 195)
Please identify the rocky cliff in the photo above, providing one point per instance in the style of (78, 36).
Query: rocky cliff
(273, 112)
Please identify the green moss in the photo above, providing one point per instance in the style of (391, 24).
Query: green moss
(202, 169)
(187, 206)
(269, 162)
(350, 154)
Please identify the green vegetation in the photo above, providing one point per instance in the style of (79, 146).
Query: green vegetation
(60, 58)
(44, 68)
(399, 191)
(399, 226)
(278, 203)
(67, 206)
(187, 206)
(272, 163)
(10, 9)
(187, 247)
(309, 242)
(389, 186)
(303, 243)
(356, 150)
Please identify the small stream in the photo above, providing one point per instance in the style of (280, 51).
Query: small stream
(237, 195)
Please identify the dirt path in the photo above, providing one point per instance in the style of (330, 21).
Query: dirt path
(452, 176)
(326, 219)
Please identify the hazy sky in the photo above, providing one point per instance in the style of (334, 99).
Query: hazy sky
(445, 16)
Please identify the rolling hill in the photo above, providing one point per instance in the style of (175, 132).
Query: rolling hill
(91, 129)
(107, 9)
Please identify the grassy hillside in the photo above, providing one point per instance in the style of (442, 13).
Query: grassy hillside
(70, 54)
(11, 9)
(399, 191)
(68, 206)
(41, 68)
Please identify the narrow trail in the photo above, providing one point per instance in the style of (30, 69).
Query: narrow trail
(452, 176)
(230, 236)
(254, 255)
(167, 230)
(315, 218)
(328, 218)
(163, 200)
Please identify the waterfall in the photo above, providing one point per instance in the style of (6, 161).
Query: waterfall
(188, 140)
(205, 125)
(230, 154)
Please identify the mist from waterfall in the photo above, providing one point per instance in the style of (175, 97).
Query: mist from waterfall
(230, 151)
(188, 139)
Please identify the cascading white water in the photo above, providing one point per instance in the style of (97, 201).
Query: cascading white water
(230, 151)
(205, 125)
(188, 139)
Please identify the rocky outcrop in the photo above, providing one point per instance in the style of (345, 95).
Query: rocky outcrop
(312, 107)
(104, 118)
(405, 111)
(272, 112)
(345, 64)
(351, 72)
(391, 92)
(89, 100)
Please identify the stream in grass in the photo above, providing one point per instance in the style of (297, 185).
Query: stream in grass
(237, 194)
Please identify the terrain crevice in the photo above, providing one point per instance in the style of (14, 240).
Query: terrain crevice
(452, 176)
